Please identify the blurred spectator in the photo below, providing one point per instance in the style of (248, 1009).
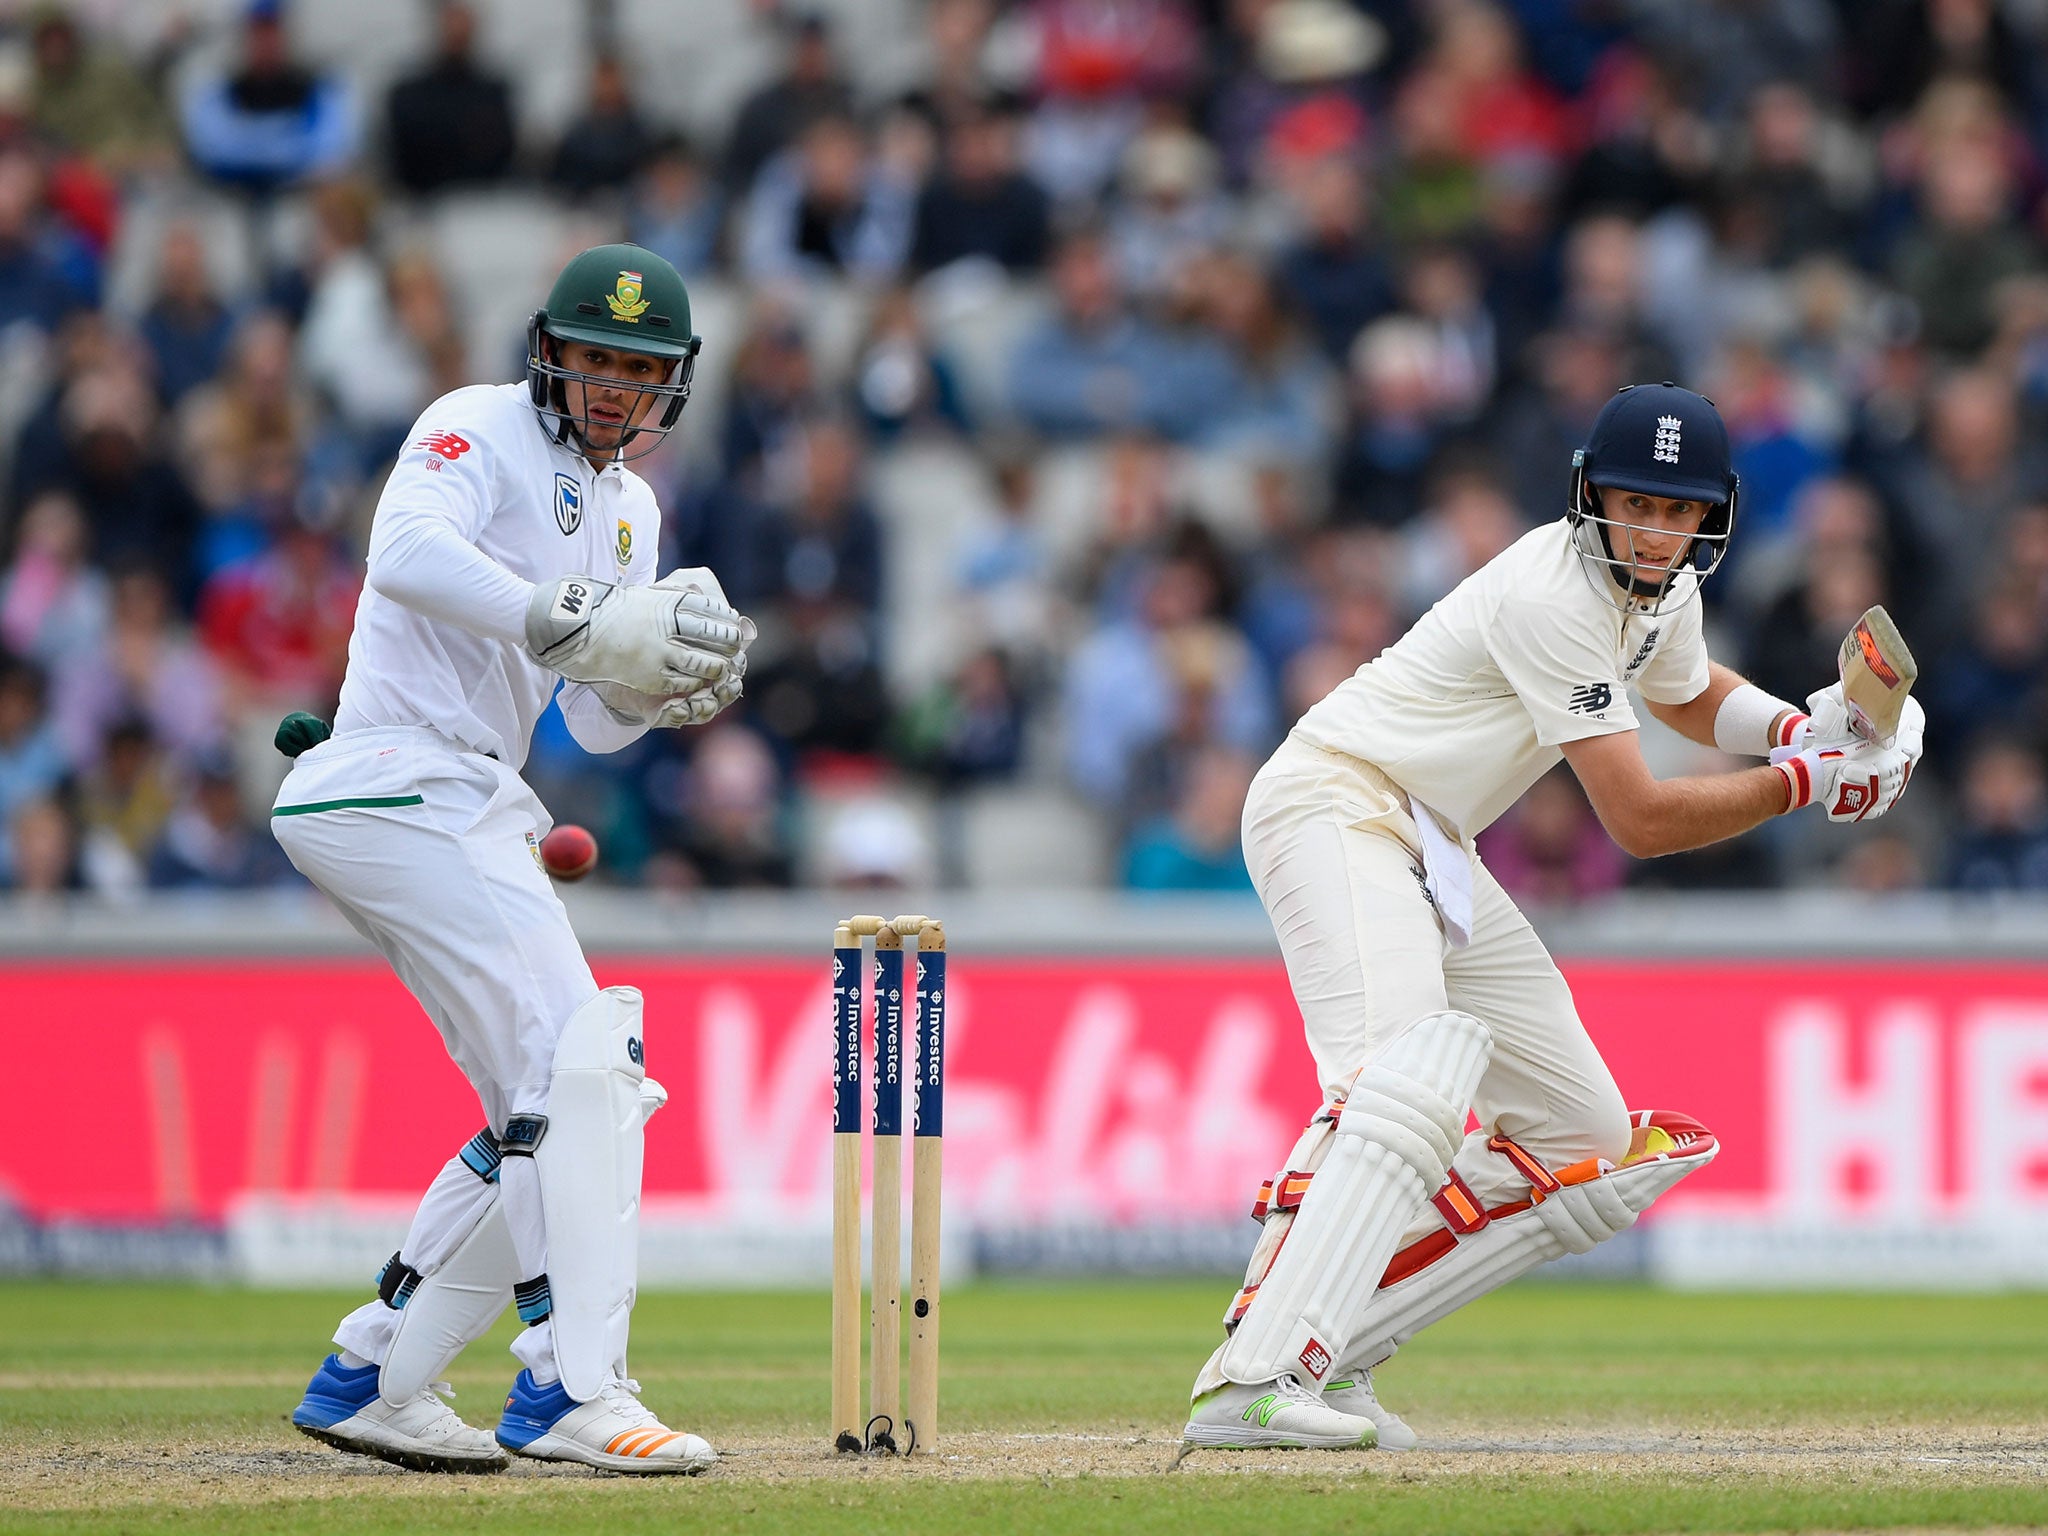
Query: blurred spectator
(605, 148)
(186, 327)
(1545, 422)
(52, 603)
(1442, 287)
(2002, 844)
(980, 204)
(1789, 191)
(32, 764)
(45, 274)
(1965, 245)
(278, 623)
(1334, 272)
(827, 207)
(1297, 88)
(809, 87)
(1899, 47)
(1997, 673)
(902, 382)
(143, 668)
(271, 121)
(1551, 850)
(357, 345)
(968, 727)
(255, 404)
(1006, 581)
(822, 550)
(137, 507)
(1397, 421)
(1645, 148)
(774, 386)
(1793, 646)
(1097, 62)
(1279, 401)
(1172, 212)
(91, 100)
(676, 208)
(450, 123)
(43, 846)
(123, 804)
(1144, 693)
(1725, 49)
(1094, 367)
(1198, 847)
(208, 842)
(724, 829)
(1468, 521)
(874, 843)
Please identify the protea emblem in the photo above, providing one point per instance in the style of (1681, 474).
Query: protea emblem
(625, 301)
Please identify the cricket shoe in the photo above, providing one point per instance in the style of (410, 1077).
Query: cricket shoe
(613, 1430)
(341, 1407)
(1280, 1414)
(1356, 1396)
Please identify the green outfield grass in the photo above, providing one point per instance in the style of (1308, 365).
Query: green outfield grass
(1558, 1408)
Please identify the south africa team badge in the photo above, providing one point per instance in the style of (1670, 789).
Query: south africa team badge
(568, 503)
(625, 546)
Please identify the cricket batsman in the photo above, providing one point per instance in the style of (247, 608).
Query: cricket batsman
(513, 553)
(1425, 993)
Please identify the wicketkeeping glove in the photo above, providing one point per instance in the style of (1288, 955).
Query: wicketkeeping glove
(656, 640)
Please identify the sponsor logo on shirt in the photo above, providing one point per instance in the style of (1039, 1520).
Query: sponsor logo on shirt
(568, 503)
(1643, 651)
(450, 445)
(1591, 699)
(533, 847)
(624, 549)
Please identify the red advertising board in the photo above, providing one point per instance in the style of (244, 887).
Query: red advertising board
(1078, 1090)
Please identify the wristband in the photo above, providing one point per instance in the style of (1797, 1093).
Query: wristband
(1798, 783)
(1743, 723)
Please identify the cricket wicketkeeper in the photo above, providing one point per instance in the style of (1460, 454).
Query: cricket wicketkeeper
(513, 549)
(1425, 993)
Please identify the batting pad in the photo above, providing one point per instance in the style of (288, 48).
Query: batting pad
(1590, 1203)
(465, 1295)
(1393, 1146)
(589, 1167)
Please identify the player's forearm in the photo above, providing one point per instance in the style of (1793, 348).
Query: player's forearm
(433, 570)
(1676, 814)
(595, 728)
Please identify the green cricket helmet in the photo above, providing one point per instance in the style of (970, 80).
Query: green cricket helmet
(627, 298)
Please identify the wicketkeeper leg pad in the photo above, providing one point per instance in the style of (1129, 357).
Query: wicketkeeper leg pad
(1569, 1211)
(457, 1304)
(1400, 1126)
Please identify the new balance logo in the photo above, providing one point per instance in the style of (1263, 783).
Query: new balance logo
(1315, 1360)
(1590, 698)
(450, 445)
(1665, 449)
(1264, 1409)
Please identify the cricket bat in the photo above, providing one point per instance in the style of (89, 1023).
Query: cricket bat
(1878, 671)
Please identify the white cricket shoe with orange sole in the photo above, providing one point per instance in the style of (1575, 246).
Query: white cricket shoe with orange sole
(613, 1430)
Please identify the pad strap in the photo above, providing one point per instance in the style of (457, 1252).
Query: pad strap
(534, 1300)
(523, 1135)
(1540, 1178)
(481, 1155)
(1458, 1206)
(396, 1282)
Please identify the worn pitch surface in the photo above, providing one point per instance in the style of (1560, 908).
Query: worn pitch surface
(1549, 1408)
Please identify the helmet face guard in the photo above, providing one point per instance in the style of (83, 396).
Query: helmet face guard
(547, 382)
(1652, 440)
(1607, 550)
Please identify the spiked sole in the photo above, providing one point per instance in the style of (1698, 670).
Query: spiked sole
(556, 1448)
(1232, 1437)
(415, 1461)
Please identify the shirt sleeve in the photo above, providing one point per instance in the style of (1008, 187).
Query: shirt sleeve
(1564, 671)
(591, 724)
(1676, 672)
(423, 549)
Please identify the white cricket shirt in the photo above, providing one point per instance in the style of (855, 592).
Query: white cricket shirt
(1474, 703)
(482, 506)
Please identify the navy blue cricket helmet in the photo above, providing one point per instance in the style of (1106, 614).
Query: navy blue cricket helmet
(1659, 440)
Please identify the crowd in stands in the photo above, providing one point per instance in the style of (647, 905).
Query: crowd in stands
(1088, 387)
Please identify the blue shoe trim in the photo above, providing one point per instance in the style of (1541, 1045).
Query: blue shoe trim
(531, 1411)
(336, 1392)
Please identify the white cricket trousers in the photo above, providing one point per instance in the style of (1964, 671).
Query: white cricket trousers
(1335, 854)
(431, 851)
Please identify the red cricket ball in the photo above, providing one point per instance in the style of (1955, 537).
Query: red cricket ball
(569, 853)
